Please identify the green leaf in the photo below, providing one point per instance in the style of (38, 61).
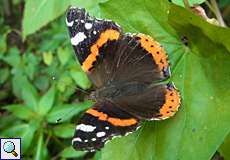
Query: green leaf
(224, 148)
(13, 57)
(15, 131)
(191, 2)
(24, 131)
(42, 82)
(63, 55)
(64, 130)
(4, 72)
(31, 64)
(224, 3)
(38, 13)
(3, 44)
(46, 102)
(41, 151)
(69, 152)
(8, 121)
(80, 78)
(97, 156)
(25, 90)
(201, 73)
(28, 135)
(66, 111)
(20, 111)
(29, 94)
(48, 58)
(64, 81)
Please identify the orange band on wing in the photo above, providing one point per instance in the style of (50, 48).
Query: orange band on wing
(155, 49)
(105, 36)
(114, 121)
(172, 103)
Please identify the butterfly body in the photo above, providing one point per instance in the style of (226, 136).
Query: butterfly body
(128, 72)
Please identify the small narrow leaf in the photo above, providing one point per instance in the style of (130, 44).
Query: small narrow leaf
(48, 58)
(63, 55)
(29, 94)
(66, 111)
(20, 111)
(39, 146)
(47, 100)
(80, 78)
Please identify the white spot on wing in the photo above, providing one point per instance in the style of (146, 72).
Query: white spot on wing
(107, 128)
(94, 32)
(100, 134)
(85, 128)
(86, 140)
(76, 140)
(88, 25)
(79, 37)
(82, 21)
(93, 139)
(69, 24)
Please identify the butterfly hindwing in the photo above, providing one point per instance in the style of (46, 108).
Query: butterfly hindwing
(155, 102)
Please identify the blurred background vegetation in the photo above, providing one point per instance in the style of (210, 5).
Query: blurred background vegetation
(41, 82)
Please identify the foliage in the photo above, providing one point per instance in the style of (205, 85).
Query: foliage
(40, 80)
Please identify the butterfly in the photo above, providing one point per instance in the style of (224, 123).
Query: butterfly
(127, 70)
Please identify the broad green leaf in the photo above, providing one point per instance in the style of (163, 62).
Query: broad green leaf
(209, 31)
(97, 156)
(66, 111)
(64, 130)
(20, 111)
(38, 13)
(80, 78)
(224, 148)
(69, 152)
(47, 100)
(200, 71)
(191, 2)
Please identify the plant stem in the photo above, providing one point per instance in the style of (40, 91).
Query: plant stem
(186, 4)
(210, 6)
(217, 13)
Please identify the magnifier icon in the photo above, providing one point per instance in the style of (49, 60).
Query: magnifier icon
(9, 147)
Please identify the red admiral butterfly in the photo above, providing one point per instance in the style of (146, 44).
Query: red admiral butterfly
(127, 71)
